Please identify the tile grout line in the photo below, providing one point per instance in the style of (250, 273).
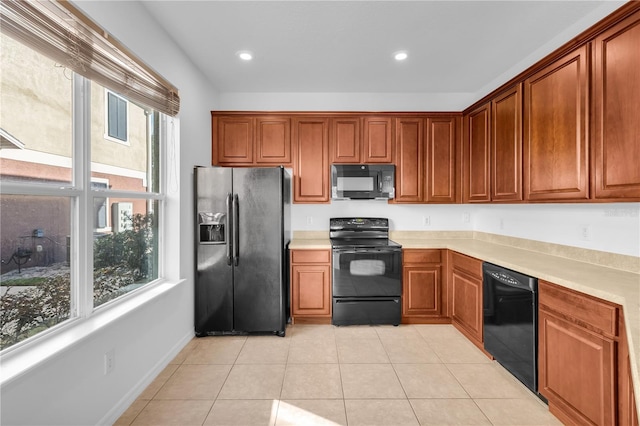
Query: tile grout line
(415, 415)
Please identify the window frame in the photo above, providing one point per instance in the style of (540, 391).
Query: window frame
(81, 197)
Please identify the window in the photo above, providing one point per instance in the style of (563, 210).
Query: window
(100, 204)
(79, 223)
(116, 117)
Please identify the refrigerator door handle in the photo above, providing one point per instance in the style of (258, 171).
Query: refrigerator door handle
(227, 231)
(236, 230)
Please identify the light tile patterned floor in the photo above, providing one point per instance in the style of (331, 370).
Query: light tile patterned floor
(325, 375)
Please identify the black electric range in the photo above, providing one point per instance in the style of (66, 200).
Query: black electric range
(367, 272)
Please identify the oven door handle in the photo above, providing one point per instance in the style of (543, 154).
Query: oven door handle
(350, 251)
(368, 299)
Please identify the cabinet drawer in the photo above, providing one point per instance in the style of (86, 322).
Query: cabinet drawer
(421, 256)
(580, 308)
(467, 264)
(310, 256)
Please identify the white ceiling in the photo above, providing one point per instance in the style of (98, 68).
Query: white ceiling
(347, 46)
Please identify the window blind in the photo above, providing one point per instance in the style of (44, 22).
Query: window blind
(60, 31)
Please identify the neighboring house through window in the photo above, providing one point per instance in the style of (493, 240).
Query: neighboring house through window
(116, 117)
(100, 205)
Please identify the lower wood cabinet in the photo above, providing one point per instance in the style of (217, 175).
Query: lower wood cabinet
(423, 293)
(465, 287)
(310, 286)
(582, 358)
(627, 411)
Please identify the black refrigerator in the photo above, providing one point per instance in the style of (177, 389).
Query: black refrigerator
(242, 233)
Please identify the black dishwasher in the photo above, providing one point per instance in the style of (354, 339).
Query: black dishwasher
(510, 310)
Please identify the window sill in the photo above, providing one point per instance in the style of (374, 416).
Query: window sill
(18, 362)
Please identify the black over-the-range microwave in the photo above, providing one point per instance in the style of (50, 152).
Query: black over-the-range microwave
(362, 181)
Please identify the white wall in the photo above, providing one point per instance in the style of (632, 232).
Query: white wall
(71, 388)
(402, 217)
(346, 101)
(609, 227)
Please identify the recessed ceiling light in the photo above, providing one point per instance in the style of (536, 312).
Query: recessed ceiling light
(245, 55)
(400, 56)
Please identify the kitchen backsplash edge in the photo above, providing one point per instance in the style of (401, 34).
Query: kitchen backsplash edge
(601, 258)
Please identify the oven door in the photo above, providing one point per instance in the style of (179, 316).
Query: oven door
(367, 272)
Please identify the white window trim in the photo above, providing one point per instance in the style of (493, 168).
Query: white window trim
(106, 118)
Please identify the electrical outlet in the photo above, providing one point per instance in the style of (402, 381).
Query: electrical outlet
(426, 220)
(501, 223)
(466, 217)
(585, 232)
(109, 361)
(309, 220)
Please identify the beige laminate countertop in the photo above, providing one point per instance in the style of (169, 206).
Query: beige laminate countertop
(310, 244)
(615, 285)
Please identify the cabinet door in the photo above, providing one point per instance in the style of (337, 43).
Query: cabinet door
(616, 134)
(233, 140)
(441, 155)
(476, 162)
(311, 163)
(627, 413)
(409, 160)
(422, 291)
(506, 146)
(576, 372)
(311, 291)
(556, 124)
(377, 142)
(273, 141)
(345, 140)
(466, 304)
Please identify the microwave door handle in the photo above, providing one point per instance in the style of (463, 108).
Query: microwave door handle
(236, 230)
(230, 222)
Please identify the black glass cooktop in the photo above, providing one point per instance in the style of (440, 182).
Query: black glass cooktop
(364, 242)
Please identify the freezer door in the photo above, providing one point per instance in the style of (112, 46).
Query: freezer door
(259, 297)
(214, 274)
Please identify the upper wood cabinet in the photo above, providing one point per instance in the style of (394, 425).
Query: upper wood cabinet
(409, 156)
(378, 140)
(311, 160)
(232, 140)
(442, 150)
(273, 140)
(346, 140)
(476, 169)
(556, 118)
(506, 145)
(249, 140)
(492, 164)
(616, 111)
(426, 158)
